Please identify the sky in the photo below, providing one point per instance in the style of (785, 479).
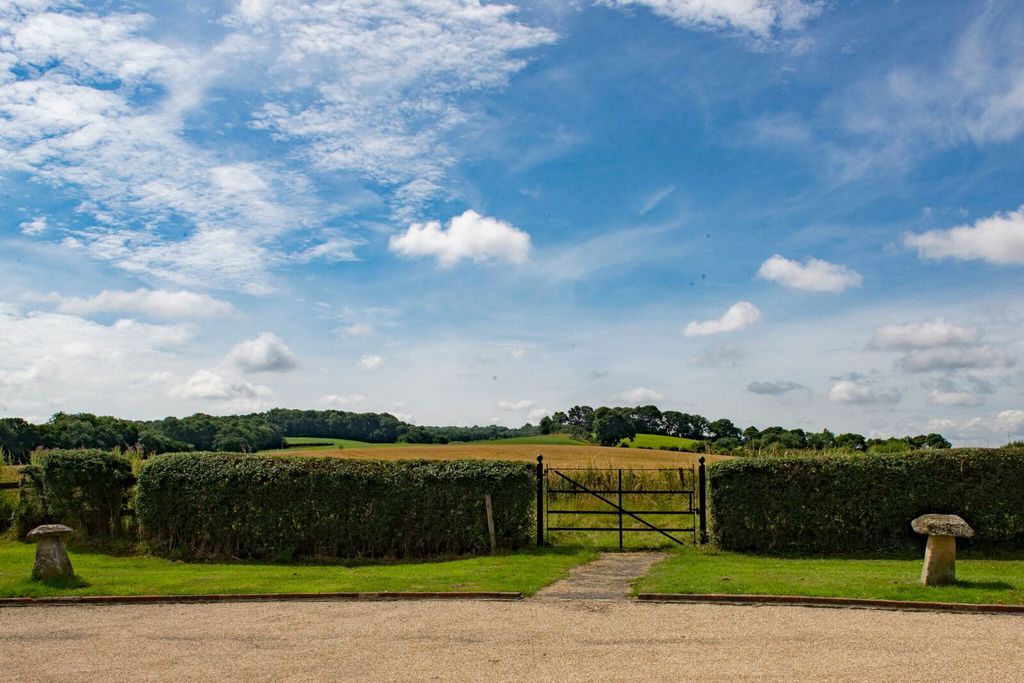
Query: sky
(785, 212)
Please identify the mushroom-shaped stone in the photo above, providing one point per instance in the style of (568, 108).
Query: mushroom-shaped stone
(52, 560)
(940, 554)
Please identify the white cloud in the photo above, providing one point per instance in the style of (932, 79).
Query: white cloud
(954, 398)
(538, 413)
(1010, 419)
(996, 239)
(859, 394)
(639, 395)
(470, 235)
(813, 275)
(515, 406)
(655, 198)
(358, 330)
(158, 303)
(35, 227)
(370, 362)
(757, 17)
(338, 401)
(926, 360)
(740, 315)
(265, 353)
(923, 335)
(205, 384)
(371, 87)
(158, 335)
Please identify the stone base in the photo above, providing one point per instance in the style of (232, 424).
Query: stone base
(939, 561)
(52, 561)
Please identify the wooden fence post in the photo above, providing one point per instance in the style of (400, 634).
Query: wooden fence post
(490, 523)
(540, 501)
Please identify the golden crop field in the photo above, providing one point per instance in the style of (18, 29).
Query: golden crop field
(555, 456)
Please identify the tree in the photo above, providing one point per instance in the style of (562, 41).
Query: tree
(612, 425)
(854, 442)
(936, 441)
(581, 416)
(648, 420)
(722, 429)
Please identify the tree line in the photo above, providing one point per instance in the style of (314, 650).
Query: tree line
(606, 426)
(610, 426)
(236, 433)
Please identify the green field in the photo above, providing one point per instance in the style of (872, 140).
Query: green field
(656, 441)
(999, 581)
(540, 440)
(525, 572)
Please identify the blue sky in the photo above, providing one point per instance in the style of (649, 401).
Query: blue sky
(778, 211)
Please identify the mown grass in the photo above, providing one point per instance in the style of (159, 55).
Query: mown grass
(526, 572)
(659, 442)
(706, 570)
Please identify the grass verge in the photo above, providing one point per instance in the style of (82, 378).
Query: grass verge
(525, 572)
(980, 581)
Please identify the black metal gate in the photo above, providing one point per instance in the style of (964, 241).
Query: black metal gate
(690, 500)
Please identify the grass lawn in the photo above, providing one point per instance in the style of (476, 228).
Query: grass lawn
(657, 441)
(708, 571)
(526, 572)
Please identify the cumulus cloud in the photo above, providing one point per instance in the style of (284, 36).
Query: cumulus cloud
(515, 406)
(265, 353)
(371, 362)
(756, 17)
(1010, 419)
(157, 303)
(924, 335)
(951, 358)
(639, 395)
(206, 384)
(773, 388)
(954, 398)
(996, 239)
(469, 236)
(860, 394)
(339, 401)
(740, 315)
(813, 275)
(33, 228)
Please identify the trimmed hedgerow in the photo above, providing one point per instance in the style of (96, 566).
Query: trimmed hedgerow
(202, 505)
(864, 503)
(84, 489)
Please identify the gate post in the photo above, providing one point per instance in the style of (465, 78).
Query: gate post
(540, 501)
(702, 484)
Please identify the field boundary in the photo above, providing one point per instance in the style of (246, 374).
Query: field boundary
(821, 601)
(378, 596)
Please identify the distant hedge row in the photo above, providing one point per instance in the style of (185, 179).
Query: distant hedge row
(84, 489)
(201, 505)
(864, 503)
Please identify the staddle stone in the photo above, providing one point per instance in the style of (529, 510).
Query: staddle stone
(52, 561)
(940, 553)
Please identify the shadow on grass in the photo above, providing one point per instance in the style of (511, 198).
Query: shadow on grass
(66, 583)
(985, 585)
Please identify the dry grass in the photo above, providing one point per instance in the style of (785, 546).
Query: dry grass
(554, 456)
(8, 473)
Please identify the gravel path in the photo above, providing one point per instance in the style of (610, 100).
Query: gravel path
(609, 577)
(529, 640)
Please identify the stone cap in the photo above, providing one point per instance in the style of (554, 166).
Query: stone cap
(942, 525)
(49, 531)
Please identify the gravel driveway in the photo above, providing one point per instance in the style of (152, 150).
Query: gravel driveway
(529, 640)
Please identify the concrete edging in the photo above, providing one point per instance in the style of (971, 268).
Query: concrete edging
(255, 597)
(815, 601)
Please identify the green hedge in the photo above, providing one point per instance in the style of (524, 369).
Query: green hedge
(864, 503)
(202, 505)
(84, 489)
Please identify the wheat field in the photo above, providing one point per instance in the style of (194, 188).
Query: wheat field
(554, 456)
